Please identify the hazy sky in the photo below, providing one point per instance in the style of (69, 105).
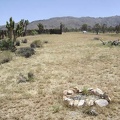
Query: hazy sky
(44, 9)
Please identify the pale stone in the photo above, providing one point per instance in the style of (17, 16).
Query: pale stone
(76, 102)
(70, 92)
(65, 92)
(66, 98)
(71, 102)
(76, 89)
(89, 102)
(98, 91)
(81, 103)
(108, 99)
(101, 102)
(90, 89)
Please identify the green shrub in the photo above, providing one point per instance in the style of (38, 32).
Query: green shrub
(5, 56)
(25, 51)
(7, 44)
(36, 43)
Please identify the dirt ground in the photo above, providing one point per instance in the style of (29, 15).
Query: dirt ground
(66, 61)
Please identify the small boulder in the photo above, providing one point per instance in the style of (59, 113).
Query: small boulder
(97, 91)
(70, 92)
(89, 102)
(76, 103)
(101, 102)
(71, 102)
(81, 103)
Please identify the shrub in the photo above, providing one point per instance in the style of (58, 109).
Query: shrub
(36, 43)
(7, 44)
(17, 43)
(26, 51)
(5, 56)
(24, 41)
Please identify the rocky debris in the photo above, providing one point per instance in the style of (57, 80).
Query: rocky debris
(85, 97)
(92, 112)
(101, 102)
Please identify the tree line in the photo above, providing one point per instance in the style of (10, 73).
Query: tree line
(103, 28)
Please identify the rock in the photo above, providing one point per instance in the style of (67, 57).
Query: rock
(76, 89)
(101, 102)
(65, 92)
(71, 102)
(89, 89)
(97, 91)
(81, 103)
(66, 98)
(105, 96)
(76, 103)
(89, 102)
(70, 92)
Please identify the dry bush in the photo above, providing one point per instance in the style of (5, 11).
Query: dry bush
(36, 44)
(25, 51)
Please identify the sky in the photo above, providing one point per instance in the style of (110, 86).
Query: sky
(44, 9)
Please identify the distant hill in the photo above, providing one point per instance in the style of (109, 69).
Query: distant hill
(73, 22)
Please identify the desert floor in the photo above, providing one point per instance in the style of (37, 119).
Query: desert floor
(66, 61)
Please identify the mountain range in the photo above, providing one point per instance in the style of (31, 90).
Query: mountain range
(72, 22)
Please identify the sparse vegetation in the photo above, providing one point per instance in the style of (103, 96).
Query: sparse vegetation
(71, 59)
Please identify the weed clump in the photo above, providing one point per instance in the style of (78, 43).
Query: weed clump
(30, 76)
(25, 52)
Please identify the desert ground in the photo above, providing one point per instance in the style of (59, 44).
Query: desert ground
(66, 61)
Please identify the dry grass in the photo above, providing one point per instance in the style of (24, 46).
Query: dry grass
(68, 60)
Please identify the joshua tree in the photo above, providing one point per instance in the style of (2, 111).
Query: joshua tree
(25, 25)
(41, 28)
(10, 27)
